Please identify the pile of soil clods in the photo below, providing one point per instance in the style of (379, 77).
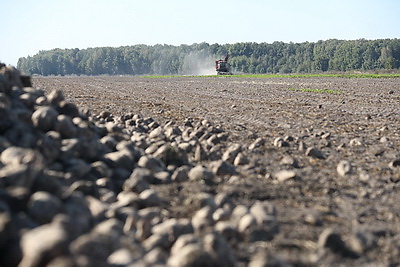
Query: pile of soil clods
(82, 189)
(79, 190)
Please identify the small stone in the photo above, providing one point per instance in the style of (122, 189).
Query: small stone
(183, 241)
(181, 174)
(163, 177)
(234, 179)
(22, 166)
(65, 127)
(395, 164)
(170, 155)
(45, 118)
(109, 142)
(288, 138)
(121, 257)
(77, 167)
(214, 139)
(239, 211)
(97, 245)
(191, 255)
(68, 109)
(302, 146)
(384, 129)
(157, 134)
(149, 198)
(289, 161)
(174, 228)
(228, 231)
(100, 169)
(14, 155)
(313, 219)
(21, 134)
(42, 244)
(231, 152)
(314, 153)
(55, 97)
(199, 132)
(43, 206)
(246, 222)
(285, 175)
(361, 241)
(264, 212)
(280, 142)
(224, 201)
(151, 163)
(222, 167)
(111, 228)
(151, 148)
(241, 159)
(143, 229)
(199, 173)
(78, 216)
(113, 128)
(50, 146)
(221, 215)
(157, 240)
(186, 147)
(97, 208)
(364, 176)
(333, 241)
(202, 219)
(257, 143)
(139, 180)
(214, 154)
(384, 139)
(172, 131)
(27, 99)
(344, 168)
(355, 142)
(156, 257)
(122, 158)
(200, 154)
(219, 249)
(326, 135)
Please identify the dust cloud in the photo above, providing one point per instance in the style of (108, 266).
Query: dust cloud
(198, 63)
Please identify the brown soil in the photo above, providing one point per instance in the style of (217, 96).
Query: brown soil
(361, 124)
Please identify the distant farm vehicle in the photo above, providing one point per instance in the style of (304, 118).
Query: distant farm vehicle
(222, 66)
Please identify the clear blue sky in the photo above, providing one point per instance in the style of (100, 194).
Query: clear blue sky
(28, 26)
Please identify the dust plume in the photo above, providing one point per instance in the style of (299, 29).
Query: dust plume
(198, 63)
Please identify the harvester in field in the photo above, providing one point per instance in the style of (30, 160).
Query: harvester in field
(222, 66)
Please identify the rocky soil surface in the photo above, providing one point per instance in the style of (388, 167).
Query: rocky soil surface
(196, 171)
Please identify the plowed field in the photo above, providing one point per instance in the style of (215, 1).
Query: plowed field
(338, 140)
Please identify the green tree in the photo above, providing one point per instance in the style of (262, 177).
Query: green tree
(249, 57)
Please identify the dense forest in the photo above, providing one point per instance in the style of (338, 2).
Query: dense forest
(278, 57)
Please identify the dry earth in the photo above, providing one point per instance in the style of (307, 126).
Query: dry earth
(339, 154)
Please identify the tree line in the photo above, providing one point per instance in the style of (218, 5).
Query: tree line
(246, 57)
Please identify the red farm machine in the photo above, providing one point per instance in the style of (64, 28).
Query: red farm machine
(222, 66)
